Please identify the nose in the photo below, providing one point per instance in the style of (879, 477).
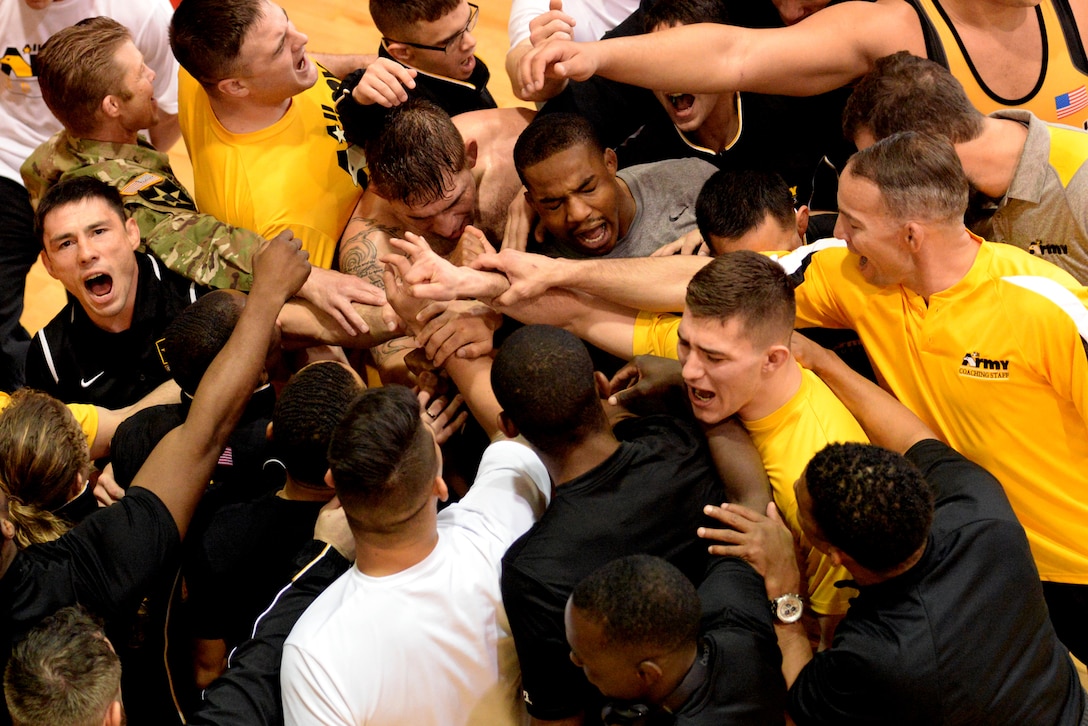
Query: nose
(840, 229)
(88, 252)
(449, 226)
(150, 73)
(468, 41)
(793, 12)
(577, 211)
(690, 369)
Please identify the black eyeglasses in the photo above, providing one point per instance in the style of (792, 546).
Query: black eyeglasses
(454, 40)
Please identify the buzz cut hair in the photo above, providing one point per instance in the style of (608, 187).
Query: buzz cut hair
(640, 600)
(750, 287)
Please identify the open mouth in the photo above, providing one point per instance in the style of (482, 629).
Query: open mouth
(681, 101)
(301, 65)
(700, 395)
(593, 237)
(99, 285)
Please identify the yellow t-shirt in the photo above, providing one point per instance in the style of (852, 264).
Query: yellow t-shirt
(787, 440)
(997, 365)
(86, 415)
(297, 174)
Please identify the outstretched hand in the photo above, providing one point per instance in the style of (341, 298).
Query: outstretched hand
(334, 292)
(763, 541)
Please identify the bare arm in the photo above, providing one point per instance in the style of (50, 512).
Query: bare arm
(180, 466)
(340, 64)
(739, 464)
(614, 280)
(849, 36)
(552, 25)
(886, 421)
(304, 324)
(109, 420)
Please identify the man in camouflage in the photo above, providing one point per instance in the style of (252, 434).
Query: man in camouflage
(95, 81)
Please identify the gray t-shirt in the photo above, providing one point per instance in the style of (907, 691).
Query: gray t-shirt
(664, 194)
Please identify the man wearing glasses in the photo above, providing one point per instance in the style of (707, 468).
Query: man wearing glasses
(433, 41)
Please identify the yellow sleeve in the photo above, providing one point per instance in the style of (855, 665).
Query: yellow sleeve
(87, 417)
(656, 334)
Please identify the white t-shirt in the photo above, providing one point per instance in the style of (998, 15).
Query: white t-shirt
(595, 17)
(429, 645)
(25, 120)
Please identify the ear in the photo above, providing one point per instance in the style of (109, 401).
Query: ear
(610, 161)
(232, 88)
(440, 489)
(776, 357)
(603, 389)
(400, 52)
(913, 236)
(132, 231)
(328, 475)
(268, 436)
(47, 264)
(110, 107)
(114, 715)
(509, 430)
(802, 221)
(7, 528)
(472, 150)
(649, 672)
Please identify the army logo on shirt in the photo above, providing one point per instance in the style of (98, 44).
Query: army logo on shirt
(974, 365)
(1041, 249)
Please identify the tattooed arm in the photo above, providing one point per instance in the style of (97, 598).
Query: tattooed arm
(365, 239)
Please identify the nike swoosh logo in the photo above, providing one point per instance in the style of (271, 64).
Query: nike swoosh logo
(85, 383)
(674, 217)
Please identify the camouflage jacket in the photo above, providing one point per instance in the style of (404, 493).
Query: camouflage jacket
(197, 246)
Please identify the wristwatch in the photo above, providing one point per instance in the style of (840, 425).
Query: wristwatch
(787, 608)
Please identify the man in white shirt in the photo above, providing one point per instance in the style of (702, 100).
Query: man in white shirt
(415, 632)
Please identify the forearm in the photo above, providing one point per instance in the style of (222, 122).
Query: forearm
(303, 324)
(796, 650)
(739, 465)
(473, 379)
(886, 421)
(608, 326)
(199, 247)
(618, 281)
(342, 64)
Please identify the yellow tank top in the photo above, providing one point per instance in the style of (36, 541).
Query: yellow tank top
(1061, 93)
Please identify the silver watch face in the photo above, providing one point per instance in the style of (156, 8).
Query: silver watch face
(788, 608)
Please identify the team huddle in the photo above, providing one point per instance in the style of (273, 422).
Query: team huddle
(740, 376)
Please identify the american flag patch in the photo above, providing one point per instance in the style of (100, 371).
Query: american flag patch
(226, 458)
(1068, 104)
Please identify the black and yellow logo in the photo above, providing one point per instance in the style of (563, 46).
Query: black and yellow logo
(974, 365)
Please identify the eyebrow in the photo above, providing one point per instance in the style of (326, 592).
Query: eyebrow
(453, 203)
(701, 349)
(86, 228)
(463, 29)
(580, 188)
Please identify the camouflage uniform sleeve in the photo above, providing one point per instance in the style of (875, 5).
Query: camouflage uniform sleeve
(197, 246)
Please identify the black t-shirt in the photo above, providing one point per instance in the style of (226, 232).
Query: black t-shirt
(240, 560)
(744, 683)
(963, 637)
(105, 564)
(74, 360)
(362, 122)
(647, 498)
